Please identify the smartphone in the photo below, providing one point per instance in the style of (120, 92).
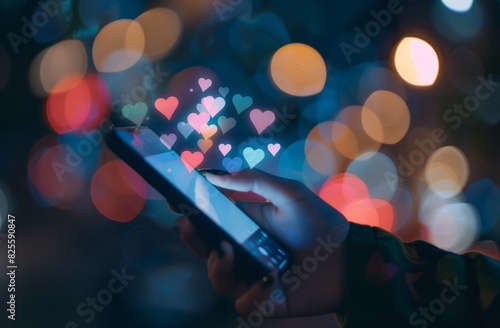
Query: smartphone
(215, 215)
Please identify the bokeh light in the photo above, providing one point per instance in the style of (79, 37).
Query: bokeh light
(453, 227)
(458, 5)
(83, 106)
(344, 139)
(378, 172)
(117, 191)
(349, 135)
(362, 212)
(431, 201)
(485, 196)
(162, 29)
(293, 164)
(350, 196)
(67, 111)
(447, 171)
(65, 60)
(402, 204)
(458, 26)
(385, 117)
(298, 70)
(53, 174)
(343, 189)
(320, 150)
(194, 11)
(416, 62)
(118, 46)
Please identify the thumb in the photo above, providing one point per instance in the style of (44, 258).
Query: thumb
(262, 213)
(275, 189)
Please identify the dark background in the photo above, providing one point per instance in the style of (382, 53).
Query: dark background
(66, 254)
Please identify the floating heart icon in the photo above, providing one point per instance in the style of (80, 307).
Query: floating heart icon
(191, 160)
(261, 120)
(167, 106)
(226, 124)
(200, 108)
(197, 120)
(204, 84)
(205, 145)
(274, 148)
(135, 113)
(241, 103)
(208, 131)
(225, 148)
(223, 91)
(253, 156)
(232, 164)
(168, 140)
(185, 129)
(213, 105)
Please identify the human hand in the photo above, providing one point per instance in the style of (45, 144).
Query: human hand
(310, 229)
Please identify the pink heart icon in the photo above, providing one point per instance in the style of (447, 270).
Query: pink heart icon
(274, 148)
(167, 106)
(191, 160)
(225, 148)
(261, 120)
(197, 120)
(208, 130)
(204, 83)
(213, 105)
(226, 124)
(168, 140)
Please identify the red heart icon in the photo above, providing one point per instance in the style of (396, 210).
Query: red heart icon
(167, 106)
(191, 160)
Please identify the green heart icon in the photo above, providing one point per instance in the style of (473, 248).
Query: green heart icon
(135, 113)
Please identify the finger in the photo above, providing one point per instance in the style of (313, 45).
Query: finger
(173, 208)
(262, 213)
(204, 171)
(241, 196)
(215, 254)
(233, 195)
(275, 189)
(258, 293)
(190, 236)
(221, 273)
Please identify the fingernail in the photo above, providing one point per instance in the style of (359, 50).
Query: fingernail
(216, 179)
(267, 281)
(214, 171)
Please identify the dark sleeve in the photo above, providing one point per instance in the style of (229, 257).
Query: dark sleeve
(396, 284)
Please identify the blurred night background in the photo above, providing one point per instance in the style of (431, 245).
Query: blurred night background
(387, 109)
